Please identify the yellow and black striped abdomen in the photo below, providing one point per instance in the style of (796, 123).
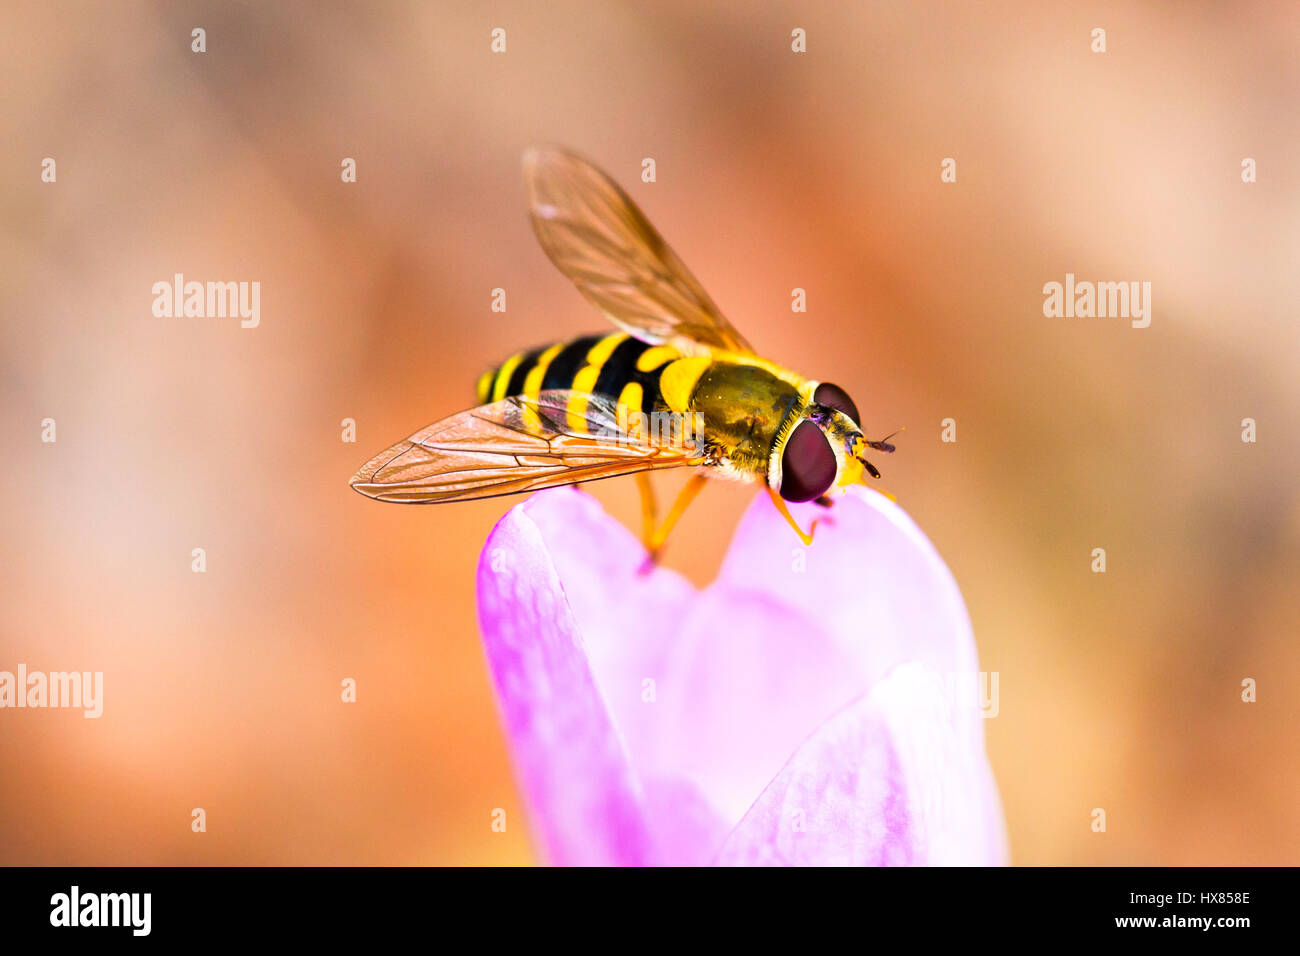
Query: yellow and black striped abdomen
(618, 366)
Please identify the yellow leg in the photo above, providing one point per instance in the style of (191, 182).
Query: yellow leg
(656, 543)
(780, 506)
(648, 508)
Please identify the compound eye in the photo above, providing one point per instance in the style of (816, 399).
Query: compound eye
(832, 396)
(808, 465)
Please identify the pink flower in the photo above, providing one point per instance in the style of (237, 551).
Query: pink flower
(805, 708)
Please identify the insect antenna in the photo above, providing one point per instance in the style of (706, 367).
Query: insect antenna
(861, 444)
(883, 444)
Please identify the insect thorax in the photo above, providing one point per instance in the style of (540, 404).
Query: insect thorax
(744, 408)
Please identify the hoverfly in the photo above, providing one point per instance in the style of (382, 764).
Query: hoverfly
(574, 411)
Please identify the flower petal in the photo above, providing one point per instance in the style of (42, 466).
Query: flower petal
(629, 620)
(871, 577)
(631, 625)
(891, 780)
(704, 687)
(788, 636)
(713, 692)
(583, 798)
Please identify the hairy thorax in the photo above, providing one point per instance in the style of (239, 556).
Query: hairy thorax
(745, 407)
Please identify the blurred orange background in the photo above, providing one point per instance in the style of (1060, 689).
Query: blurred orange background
(775, 170)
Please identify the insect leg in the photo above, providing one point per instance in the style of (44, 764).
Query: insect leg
(648, 509)
(780, 506)
(656, 544)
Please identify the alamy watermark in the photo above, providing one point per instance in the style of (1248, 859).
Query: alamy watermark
(972, 691)
(1103, 300)
(678, 430)
(130, 910)
(64, 689)
(208, 300)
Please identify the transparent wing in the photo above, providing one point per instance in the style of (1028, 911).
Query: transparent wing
(515, 445)
(598, 237)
